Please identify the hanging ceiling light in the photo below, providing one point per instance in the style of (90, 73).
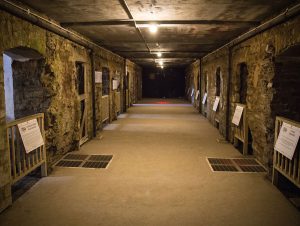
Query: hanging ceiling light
(161, 63)
(153, 28)
(158, 54)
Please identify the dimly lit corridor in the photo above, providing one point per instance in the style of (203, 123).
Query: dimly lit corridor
(159, 175)
(153, 112)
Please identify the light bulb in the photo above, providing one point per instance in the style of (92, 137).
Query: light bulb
(158, 54)
(153, 28)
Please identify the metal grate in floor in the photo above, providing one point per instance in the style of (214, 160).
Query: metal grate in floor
(75, 157)
(90, 164)
(100, 158)
(68, 163)
(85, 161)
(225, 168)
(242, 165)
(254, 169)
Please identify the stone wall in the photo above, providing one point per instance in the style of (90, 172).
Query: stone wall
(192, 74)
(270, 88)
(209, 67)
(56, 89)
(135, 82)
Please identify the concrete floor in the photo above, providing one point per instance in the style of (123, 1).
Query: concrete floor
(158, 176)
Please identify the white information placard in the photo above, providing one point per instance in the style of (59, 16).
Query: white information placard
(192, 93)
(216, 104)
(197, 94)
(31, 135)
(115, 84)
(98, 76)
(237, 115)
(204, 98)
(287, 140)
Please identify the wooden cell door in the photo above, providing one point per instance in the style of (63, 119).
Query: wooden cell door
(81, 87)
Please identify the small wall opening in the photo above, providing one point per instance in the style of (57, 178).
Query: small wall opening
(105, 81)
(24, 93)
(286, 103)
(243, 78)
(286, 83)
(218, 82)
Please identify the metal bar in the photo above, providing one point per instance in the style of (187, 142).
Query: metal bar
(159, 22)
(126, 8)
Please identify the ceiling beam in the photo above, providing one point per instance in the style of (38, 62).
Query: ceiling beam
(177, 52)
(132, 22)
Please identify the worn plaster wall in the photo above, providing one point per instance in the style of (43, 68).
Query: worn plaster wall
(267, 88)
(14, 33)
(135, 82)
(210, 65)
(192, 72)
(56, 89)
(259, 54)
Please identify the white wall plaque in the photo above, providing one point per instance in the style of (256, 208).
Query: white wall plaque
(115, 84)
(31, 135)
(204, 98)
(287, 140)
(197, 94)
(216, 104)
(237, 115)
(98, 76)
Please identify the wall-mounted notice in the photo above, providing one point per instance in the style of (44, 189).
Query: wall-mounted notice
(216, 104)
(192, 93)
(197, 94)
(115, 84)
(31, 135)
(237, 115)
(287, 140)
(204, 98)
(98, 76)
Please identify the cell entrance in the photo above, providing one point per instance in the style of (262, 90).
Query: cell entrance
(25, 94)
(81, 88)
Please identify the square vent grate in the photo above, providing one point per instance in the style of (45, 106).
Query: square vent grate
(242, 165)
(85, 161)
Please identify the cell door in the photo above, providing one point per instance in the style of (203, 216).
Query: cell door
(81, 87)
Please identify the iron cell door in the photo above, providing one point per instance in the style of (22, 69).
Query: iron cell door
(81, 87)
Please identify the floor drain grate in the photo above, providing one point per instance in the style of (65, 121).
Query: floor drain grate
(254, 169)
(85, 161)
(90, 164)
(100, 158)
(75, 157)
(242, 165)
(225, 168)
(68, 163)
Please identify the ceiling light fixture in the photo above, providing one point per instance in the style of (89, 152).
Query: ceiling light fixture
(158, 54)
(161, 63)
(153, 28)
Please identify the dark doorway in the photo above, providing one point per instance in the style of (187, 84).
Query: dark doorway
(243, 82)
(163, 83)
(218, 82)
(81, 88)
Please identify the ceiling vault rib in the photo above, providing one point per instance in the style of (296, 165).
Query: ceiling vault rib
(133, 22)
(126, 8)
